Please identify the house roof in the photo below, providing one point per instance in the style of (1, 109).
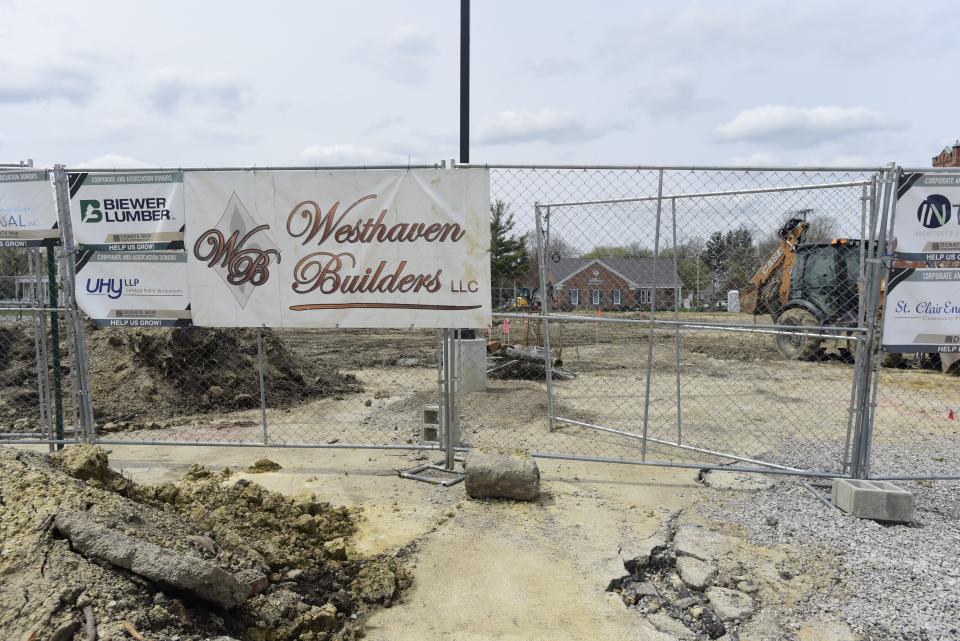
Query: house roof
(636, 271)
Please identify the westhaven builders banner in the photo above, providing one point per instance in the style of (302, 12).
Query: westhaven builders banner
(127, 211)
(139, 289)
(374, 248)
(28, 209)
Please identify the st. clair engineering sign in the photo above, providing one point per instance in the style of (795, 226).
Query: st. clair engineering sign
(371, 248)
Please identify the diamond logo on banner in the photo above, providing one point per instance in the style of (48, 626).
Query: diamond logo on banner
(237, 222)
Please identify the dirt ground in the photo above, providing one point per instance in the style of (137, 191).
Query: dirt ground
(499, 570)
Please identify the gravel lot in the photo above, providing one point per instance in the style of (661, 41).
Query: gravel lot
(890, 582)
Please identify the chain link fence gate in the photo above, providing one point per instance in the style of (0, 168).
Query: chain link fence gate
(37, 379)
(633, 278)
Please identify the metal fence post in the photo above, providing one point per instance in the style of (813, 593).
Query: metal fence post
(883, 263)
(869, 357)
(55, 344)
(868, 225)
(263, 389)
(450, 413)
(542, 244)
(653, 316)
(676, 318)
(81, 378)
(40, 345)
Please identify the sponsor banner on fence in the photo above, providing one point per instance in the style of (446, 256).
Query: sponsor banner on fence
(927, 223)
(127, 211)
(28, 209)
(139, 289)
(922, 311)
(374, 248)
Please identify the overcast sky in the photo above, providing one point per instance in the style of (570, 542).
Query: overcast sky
(241, 83)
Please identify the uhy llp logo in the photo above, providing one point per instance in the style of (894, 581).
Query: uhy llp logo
(112, 288)
(934, 211)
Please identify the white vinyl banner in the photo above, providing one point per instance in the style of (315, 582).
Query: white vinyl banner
(927, 223)
(28, 209)
(139, 289)
(366, 248)
(127, 211)
(922, 311)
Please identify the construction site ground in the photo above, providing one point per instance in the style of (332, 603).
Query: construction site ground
(541, 570)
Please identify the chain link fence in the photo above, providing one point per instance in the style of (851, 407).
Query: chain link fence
(36, 378)
(689, 317)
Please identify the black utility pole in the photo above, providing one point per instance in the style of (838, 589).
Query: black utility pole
(465, 105)
(464, 81)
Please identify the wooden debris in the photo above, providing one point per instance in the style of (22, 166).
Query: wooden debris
(132, 631)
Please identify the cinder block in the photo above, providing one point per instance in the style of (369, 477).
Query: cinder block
(429, 434)
(877, 500)
(431, 415)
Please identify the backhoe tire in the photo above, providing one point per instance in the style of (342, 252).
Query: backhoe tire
(798, 347)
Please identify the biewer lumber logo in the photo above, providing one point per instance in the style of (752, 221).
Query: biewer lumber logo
(122, 210)
(128, 211)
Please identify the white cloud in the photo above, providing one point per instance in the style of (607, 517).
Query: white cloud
(673, 93)
(404, 56)
(349, 154)
(555, 66)
(113, 161)
(217, 93)
(756, 159)
(23, 83)
(546, 125)
(797, 125)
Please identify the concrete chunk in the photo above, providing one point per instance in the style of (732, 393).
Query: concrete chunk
(695, 573)
(191, 574)
(501, 475)
(668, 625)
(730, 604)
(877, 500)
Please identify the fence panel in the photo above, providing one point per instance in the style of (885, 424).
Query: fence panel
(656, 367)
(36, 389)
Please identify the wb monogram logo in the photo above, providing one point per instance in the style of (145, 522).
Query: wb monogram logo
(243, 264)
(238, 250)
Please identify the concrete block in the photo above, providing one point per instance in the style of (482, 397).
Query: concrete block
(429, 434)
(501, 475)
(431, 415)
(473, 365)
(877, 500)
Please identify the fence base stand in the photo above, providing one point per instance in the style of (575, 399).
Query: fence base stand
(417, 473)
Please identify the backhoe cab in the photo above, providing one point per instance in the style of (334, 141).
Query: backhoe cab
(806, 285)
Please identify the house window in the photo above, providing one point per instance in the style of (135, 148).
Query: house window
(645, 296)
(574, 297)
(594, 296)
(617, 297)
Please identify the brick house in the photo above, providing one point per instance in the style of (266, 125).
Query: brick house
(949, 157)
(612, 283)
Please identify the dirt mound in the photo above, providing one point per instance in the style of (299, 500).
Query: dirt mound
(76, 535)
(155, 373)
(18, 379)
